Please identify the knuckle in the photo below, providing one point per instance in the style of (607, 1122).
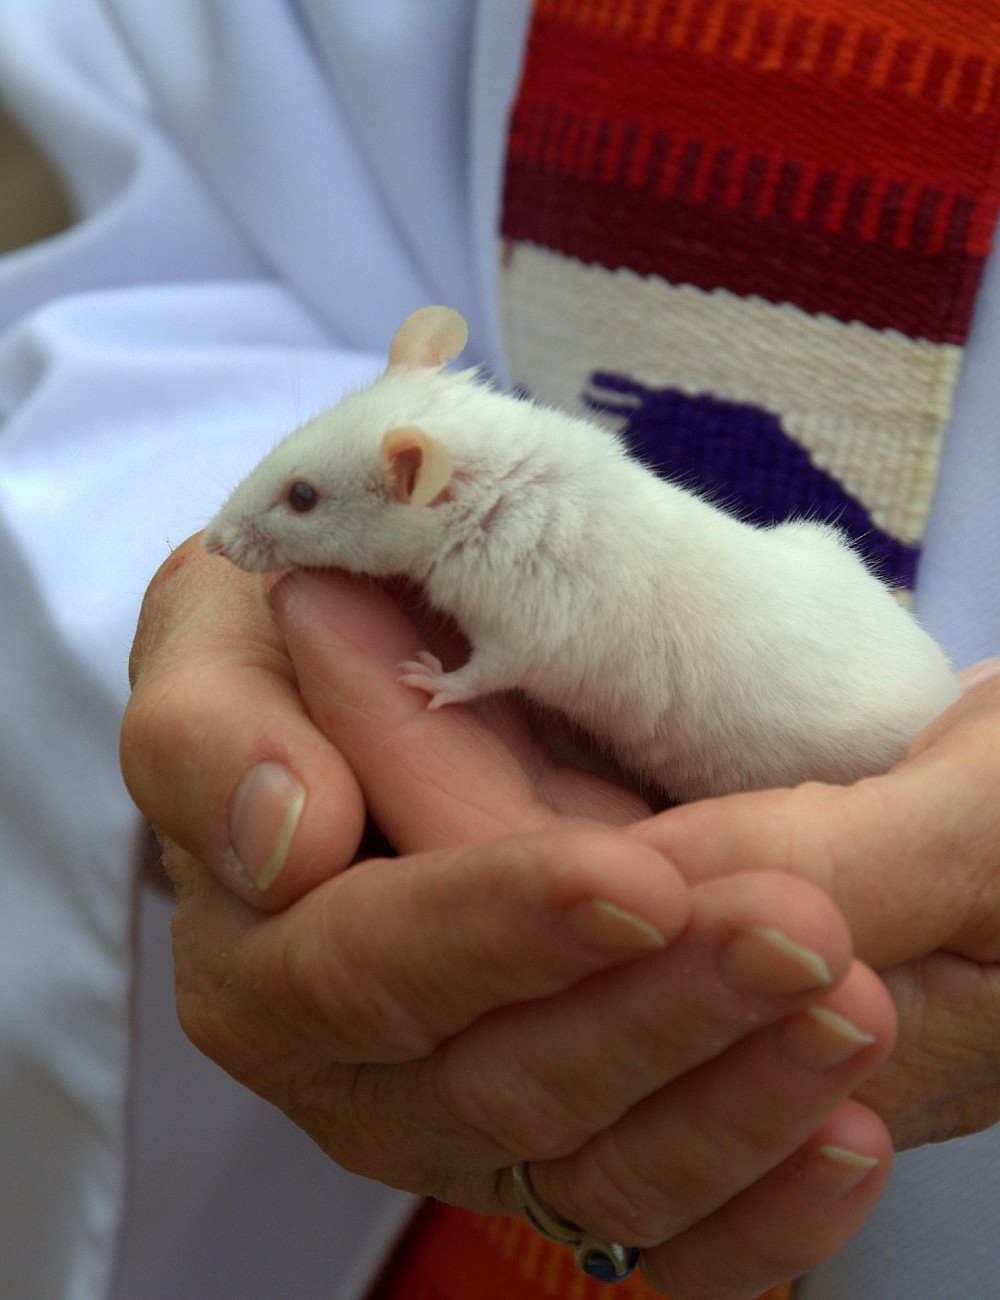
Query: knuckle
(339, 986)
(198, 1010)
(508, 1111)
(155, 715)
(198, 1020)
(160, 732)
(481, 1107)
(612, 1197)
(158, 610)
(138, 722)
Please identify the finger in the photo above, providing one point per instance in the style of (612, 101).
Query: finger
(791, 1221)
(970, 724)
(391, 958)
(217, 749)
(717, 1129)
(941, 1081)
(755, 948)
(983, 671)
(917, 845)
(396, 956)
(431, 777)
(878, 847)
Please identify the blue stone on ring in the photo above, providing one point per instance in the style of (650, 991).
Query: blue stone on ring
(604, 1267)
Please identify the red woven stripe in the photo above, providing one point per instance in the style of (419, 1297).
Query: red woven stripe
(780, 259)
(907, 167)
(846, 128)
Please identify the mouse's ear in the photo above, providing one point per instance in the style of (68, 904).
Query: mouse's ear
(418, 466)
(428, 337)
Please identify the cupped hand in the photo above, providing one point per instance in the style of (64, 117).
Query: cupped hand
(911, 857)
(217, 748)
(520, 984)
(913, 860)
(220, 753)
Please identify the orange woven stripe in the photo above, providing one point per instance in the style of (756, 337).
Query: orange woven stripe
(845, 161)
(675, 19)
(451, 1254)
(923, 48)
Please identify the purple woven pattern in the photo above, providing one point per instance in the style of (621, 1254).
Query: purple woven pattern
(740, 457)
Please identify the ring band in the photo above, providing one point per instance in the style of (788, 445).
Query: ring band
(603, 1260)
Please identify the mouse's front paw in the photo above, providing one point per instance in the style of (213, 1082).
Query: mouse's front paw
(426, 673)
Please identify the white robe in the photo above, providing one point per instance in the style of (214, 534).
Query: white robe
(264, 192)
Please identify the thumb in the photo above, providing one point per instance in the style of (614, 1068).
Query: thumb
(901, 854)
(216, 747)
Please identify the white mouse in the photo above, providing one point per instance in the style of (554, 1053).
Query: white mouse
(707, 654)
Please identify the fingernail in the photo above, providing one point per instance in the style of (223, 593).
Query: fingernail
(276, 593)
(833, 1171)
(265, 812)
(819, 1039)
(606, 925)
(764, 960)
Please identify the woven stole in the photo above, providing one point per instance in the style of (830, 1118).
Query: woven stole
(748, 233)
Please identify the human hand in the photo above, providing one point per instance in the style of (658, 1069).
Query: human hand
(913, 860)
(432, 1019)
(218, 749)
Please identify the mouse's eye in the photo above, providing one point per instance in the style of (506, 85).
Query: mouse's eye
(302, 497)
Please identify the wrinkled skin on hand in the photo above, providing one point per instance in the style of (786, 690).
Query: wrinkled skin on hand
(432, 1018)
(913, 860)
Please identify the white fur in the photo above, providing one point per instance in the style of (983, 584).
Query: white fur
(709, 655)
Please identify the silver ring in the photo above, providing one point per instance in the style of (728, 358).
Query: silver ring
(603, 1260)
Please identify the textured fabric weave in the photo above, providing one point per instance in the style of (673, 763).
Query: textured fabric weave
(751, 234)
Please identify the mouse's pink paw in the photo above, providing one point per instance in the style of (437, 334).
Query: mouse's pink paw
(426, 673)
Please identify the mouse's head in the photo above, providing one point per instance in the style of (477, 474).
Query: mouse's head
(356, 487)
